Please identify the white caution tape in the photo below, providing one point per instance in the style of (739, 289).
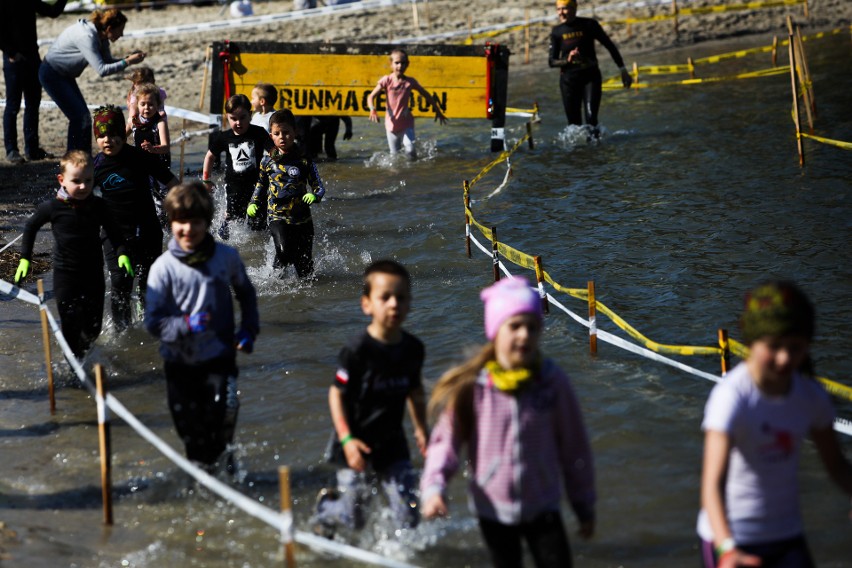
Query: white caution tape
(10, 243)
(203, 118)
(235, 23)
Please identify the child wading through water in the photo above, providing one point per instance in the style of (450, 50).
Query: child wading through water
(399, 122)
(283, 186)
(243, 145)
(378, 375)
(191, 310)
(755, 422)
(151, 134)
(519, 417)
(263, 99)
(76, 218)
(123, 173)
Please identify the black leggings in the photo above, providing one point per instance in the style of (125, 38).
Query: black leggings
(80, 302)
(293, 245)
(204, 414)
(545, 537)
(143, 251)
(581, 90)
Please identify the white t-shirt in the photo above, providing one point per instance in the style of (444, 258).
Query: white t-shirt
(761, 490)
(261, 119)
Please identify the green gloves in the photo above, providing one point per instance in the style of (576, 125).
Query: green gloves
(124, 262)
(252, 210)
(309, 198)
(23, 269)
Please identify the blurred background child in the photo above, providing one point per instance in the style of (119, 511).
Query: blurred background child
(517, 413)
(142, 75)
(263, 99)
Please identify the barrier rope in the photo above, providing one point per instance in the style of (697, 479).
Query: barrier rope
(615, 83)
(829, 141)
(527, 261)
(282, 521)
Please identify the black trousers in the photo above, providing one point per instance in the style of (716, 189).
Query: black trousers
(294, 245)
(203, 409)
(545, 536)
(143, 251)
(237, 199)
(581, 95)
(80, 302)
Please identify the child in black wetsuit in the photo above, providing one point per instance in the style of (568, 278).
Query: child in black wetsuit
(243, 145)
(288, 185)
(76, 217)
(151, 133)
(122, 172)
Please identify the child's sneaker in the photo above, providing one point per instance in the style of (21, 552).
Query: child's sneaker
(319, 526)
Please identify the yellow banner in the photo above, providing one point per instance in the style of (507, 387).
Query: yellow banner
(338, 84)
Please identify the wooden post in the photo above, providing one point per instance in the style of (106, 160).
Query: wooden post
(726, 351)
(796, 104)
(104, 443)
(593, 324)
(635, 73)
(286, 506)
(529, 134)
(207, 59)
(775, 51)
(691, 64)
(800, 73)
(494, 254)
(414, 15)
(807, 12)
(674, 13)
(470, 28)
(467, 217)
(45, 337)
(182, 148)
(539, 277)
(527, 36)
(803, 59)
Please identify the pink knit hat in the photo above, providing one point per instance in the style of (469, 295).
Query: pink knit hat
(507, 298)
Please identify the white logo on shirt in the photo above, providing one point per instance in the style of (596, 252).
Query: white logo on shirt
(242, 156)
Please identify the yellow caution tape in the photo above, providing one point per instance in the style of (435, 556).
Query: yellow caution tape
(529, 110)
(611, 85)
(830, 142)
(702, 10)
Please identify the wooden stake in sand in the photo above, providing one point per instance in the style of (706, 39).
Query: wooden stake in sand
(725, 346)
(105, 445)
(527, 36)
(287, 506)
(796, 103)
(45, 336)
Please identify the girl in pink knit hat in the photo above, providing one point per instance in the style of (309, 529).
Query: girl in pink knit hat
(517, 413)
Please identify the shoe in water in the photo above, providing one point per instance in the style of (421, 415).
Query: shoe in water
(14, 157)
(224, 231)
(319, 526)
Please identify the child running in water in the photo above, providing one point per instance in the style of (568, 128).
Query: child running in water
(142, 75)
(399, 122)
(378, 375)
(191, 310)
(288, 185)
(151, 134)
(243, 145)
(263, 99)
(754, 423)
(123, 173)
(76, 217)
(518, 415)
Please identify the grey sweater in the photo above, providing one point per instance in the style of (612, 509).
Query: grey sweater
(78, 46)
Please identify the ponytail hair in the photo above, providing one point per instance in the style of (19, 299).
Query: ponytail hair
(454, 392)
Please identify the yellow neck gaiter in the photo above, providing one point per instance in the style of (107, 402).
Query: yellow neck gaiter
(511, 380)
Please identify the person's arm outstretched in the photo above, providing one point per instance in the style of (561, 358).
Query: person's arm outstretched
(439, 115)
(442, 462)
(374, 117)
(353, 448)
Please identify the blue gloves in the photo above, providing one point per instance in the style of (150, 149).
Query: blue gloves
(244, 341)
(124, 262)
(252, 210)
(23, 269)
(197, 322)
(309, 198)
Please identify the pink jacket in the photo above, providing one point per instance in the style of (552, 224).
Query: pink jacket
(525, 448)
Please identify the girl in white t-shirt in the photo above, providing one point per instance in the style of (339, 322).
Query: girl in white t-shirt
(755, 422)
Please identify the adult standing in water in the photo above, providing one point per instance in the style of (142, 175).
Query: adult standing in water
(83, 43)
(572, 50)
(21, 60)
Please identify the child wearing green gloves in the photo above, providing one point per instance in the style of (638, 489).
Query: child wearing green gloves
(76, 217)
